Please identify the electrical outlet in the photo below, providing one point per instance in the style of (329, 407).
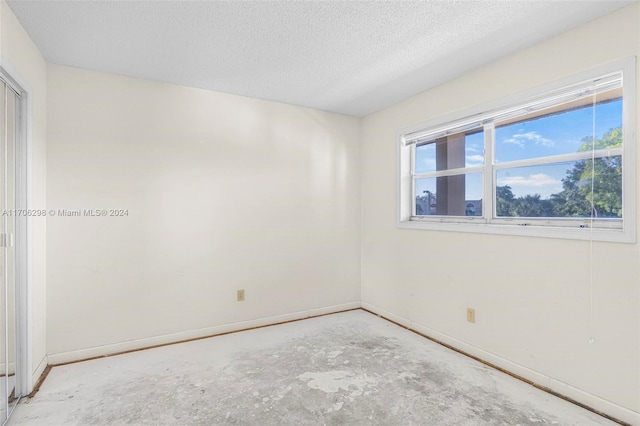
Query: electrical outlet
(240, 296)
(471, 315)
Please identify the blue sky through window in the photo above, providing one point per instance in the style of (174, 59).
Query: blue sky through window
(549, 135)
(556, 134)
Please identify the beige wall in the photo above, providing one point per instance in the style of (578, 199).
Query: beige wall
(19, 56)
(223, 193)
(531, 295)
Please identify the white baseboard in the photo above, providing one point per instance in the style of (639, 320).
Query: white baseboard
(115, 348)
(10, 368)
(565, 389)
(405, 322)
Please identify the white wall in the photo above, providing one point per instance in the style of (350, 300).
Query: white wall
(223, 193)
(22, 59)
(531, 295)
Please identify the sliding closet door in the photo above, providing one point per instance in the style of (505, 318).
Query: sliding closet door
(10, 247)
(8, 348)
(4, 348)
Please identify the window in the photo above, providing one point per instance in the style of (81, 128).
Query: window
(558, 161)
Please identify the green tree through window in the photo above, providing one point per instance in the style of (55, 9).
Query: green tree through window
(591, 187)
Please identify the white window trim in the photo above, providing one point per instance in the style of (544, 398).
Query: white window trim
(552, 228)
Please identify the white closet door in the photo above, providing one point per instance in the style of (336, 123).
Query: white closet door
(8, 354)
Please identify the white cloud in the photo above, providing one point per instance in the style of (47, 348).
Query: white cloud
(536, 180)
(475, 158)
(521, 138)
(471, 149)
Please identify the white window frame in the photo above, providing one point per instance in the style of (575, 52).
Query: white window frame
(483, 116)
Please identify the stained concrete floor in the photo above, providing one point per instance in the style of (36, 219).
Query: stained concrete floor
(351, 368)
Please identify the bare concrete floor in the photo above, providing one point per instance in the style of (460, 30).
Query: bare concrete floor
(351, 368)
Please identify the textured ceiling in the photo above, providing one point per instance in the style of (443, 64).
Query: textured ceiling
(349, 57)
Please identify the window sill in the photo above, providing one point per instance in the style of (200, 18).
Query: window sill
(557, 232)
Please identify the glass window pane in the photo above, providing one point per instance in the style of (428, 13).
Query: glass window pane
(562, 190)
(562, 129)
(451, 152)
(458, 195)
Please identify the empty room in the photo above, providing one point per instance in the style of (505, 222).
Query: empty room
(319, 212)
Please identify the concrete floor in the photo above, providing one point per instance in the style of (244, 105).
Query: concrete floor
(351, 368)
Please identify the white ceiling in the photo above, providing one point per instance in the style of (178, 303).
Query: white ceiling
(351, 57)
